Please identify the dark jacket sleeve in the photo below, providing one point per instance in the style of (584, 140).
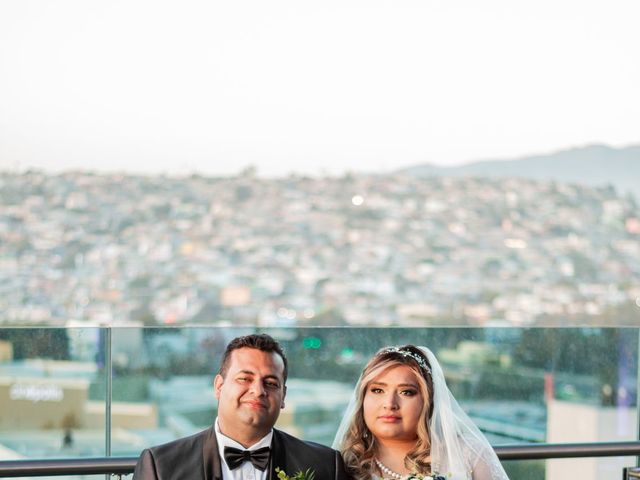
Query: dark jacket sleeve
(292, 455)
(146, 467)
(341, 472)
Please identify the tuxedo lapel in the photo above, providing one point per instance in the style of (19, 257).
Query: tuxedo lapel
(278, 456)
(210, 457)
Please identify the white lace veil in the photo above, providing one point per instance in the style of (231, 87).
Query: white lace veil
(458, 449)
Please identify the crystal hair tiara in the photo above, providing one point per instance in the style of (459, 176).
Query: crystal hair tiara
(405, 353)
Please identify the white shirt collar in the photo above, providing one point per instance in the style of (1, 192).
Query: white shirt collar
(246, 471)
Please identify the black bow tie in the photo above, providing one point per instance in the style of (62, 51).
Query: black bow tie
(236, 457)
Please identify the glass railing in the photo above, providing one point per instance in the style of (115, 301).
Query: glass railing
(95, 392)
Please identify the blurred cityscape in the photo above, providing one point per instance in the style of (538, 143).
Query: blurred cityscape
(377, 250)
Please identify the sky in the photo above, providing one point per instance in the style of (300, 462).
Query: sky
(178, 87)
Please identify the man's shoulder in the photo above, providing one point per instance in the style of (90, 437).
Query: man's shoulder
(174, 447)
(181, 458)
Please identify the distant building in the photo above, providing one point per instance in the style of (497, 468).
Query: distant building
(42, 403)
(6, 351)
(235, 296)
(571, 422)
(44, 395)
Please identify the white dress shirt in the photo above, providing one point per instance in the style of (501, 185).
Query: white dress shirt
(246, 471)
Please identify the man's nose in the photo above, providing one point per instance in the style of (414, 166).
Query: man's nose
(257, 388)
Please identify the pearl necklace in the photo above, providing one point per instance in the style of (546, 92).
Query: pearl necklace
(387, 471)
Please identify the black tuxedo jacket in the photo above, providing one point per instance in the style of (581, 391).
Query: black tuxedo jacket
(196, 458)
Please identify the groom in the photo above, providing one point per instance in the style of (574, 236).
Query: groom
(242, 444)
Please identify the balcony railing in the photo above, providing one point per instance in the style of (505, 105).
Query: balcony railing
(125, 465)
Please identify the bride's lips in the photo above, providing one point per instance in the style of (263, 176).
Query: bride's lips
(389, 418)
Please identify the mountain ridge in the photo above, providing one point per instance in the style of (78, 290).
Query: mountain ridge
(593, 165)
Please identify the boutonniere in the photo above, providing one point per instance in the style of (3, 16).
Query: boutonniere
(306, 475)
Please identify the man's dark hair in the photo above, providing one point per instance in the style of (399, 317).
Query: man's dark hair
(259, 341)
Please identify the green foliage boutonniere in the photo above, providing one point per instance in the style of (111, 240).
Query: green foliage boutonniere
(306, 475)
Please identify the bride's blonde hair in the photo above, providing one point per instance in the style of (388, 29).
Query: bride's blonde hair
(359, 446)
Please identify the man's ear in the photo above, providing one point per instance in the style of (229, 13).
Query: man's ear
(284, 394)
(217, 385)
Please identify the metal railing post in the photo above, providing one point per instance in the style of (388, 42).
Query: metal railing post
(109, 392)
(638, 396)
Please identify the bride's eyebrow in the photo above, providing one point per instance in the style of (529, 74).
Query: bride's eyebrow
(412, 385)
(382, 384)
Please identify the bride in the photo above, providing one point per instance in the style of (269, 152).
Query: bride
(403, 423)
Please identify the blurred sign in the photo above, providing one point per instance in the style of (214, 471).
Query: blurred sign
(311, 342)
(36, 393)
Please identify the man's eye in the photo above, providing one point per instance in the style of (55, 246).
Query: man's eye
(243, 379)
(273, 385)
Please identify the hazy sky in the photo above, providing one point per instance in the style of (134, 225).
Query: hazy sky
(211, 86)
